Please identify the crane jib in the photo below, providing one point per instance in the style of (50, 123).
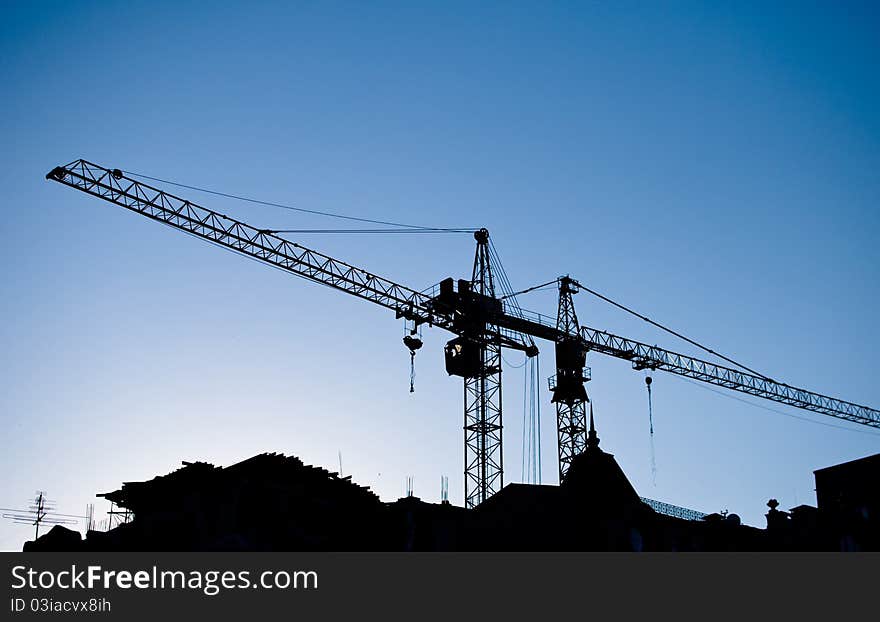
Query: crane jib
(502, 327)
(221, 229)
(113, 186)
(644, 356)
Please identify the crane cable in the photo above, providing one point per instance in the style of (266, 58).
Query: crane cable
(369, 230)
(524, 450)
(648, 381)
(530, 289)
(505, 285)
(531, 435)
(776, 410)
(405, 226)
(672, 332)
(536, 399)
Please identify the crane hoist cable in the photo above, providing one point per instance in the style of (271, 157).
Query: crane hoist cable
(535, 418)
(648, 381)
(531, 437)
(524, 450)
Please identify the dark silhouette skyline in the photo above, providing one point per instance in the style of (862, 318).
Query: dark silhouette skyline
(272, 502)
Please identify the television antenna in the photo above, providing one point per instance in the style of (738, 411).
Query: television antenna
(40, 511)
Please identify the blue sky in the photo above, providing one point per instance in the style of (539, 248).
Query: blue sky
(714, 167)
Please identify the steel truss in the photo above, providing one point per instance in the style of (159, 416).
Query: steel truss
(483, 471)
(115, 187)
(644, 356)
(571, 410)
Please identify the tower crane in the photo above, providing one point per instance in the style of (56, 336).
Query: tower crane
(482, 324)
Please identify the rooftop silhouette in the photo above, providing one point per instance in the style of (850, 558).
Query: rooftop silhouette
(276, 502)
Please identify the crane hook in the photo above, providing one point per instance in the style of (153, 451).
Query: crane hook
(412, 342)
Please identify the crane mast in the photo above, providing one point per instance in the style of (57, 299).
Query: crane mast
(484, 473)
(567, 385)
(479, 320)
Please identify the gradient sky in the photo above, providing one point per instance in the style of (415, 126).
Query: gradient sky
(714, 167)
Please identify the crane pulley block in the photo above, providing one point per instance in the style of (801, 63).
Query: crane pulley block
(412, 342)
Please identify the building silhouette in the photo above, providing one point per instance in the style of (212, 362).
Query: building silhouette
(272, 502)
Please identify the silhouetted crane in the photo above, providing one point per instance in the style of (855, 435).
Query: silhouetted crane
(482, 323)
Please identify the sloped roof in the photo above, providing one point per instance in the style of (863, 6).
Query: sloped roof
(269, 469)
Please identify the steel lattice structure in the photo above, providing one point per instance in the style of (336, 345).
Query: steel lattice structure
(482, 323)
(673, 510)
(644, 356)
(567, 385)
(262, 244)
(483, 470)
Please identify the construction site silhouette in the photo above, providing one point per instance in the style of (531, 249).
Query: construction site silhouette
(272, 502)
